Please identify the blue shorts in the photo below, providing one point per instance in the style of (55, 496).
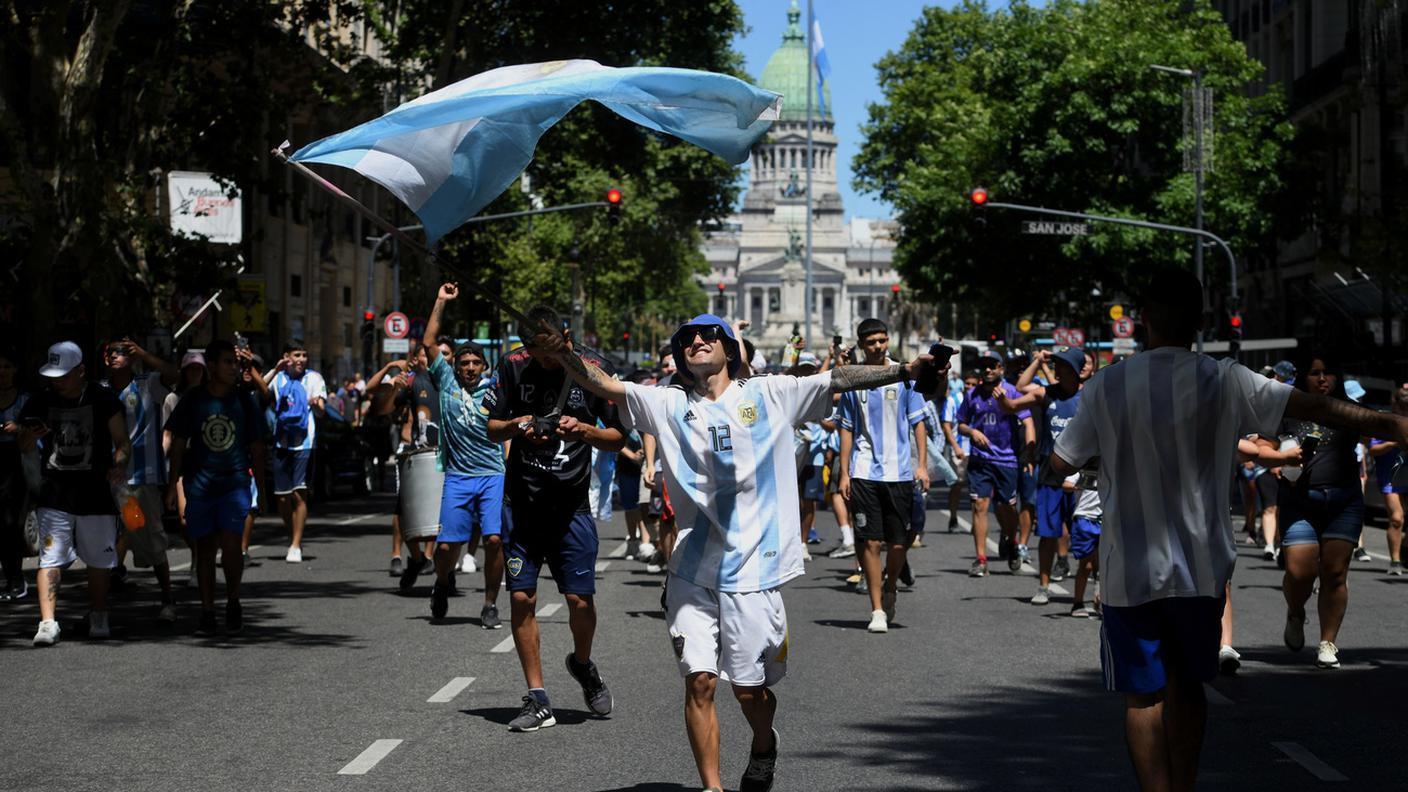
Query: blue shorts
(1054, 508)
(628, 485)
(812, 487)
(467, 501)
(917, 512)
(566, 541)
(290, 470)
(988, 480)
(1085, 537)
(1312, 516)
(1026, 486)
(1140, 645)
(224, 512)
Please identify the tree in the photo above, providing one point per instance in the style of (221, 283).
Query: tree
(1058, 107)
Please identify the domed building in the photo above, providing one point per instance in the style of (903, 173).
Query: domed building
(757, 259)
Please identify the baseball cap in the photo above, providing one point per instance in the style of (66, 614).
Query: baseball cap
(677, 345)
(986, 357)
(1285, 370)
(193, 359)
(64, 357)
(1353, 390)
(808, 359)
(1071, 356)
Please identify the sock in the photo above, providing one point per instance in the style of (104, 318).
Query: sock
(848, 536)
(541, 695)
(983, 558)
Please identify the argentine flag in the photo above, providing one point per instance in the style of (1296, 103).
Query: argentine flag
(447, 154)
(821, 63)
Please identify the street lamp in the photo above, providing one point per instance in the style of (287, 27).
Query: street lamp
(1198, 101)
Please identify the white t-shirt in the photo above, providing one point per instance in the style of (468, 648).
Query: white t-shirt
(731, 473)
(1165, 425)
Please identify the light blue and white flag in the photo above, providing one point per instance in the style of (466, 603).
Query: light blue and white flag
(821, 63)
(449, 153)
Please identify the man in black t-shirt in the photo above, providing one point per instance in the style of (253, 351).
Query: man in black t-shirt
(547, 517)
(81, 432)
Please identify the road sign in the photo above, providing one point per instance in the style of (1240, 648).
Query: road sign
(397, 325)
(1075, 337)
(1123, 327)
(1061, 335)
(395, 346)
(1116, 311)
(1057, 228)
(1125, 346)
(1025, 325)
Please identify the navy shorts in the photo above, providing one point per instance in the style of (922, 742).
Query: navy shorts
(1312, 516)
(1141, 645)
(467, 501)
(628, 485)
(1026, 486)
(204, 516)
(1085, 537)
(1054, 507)
(290, 470)
(565, 540)
(810, 484)
(987, 480)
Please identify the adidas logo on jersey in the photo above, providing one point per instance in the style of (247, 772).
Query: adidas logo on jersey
(689, 415)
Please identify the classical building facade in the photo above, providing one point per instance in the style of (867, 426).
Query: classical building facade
(757, 259)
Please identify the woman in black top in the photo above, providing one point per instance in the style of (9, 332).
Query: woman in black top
(1322, 509)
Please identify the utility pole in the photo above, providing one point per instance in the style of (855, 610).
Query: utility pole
(807, 280)
(1197, 107)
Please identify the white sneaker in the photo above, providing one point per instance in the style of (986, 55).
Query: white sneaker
(1228, 660)
(98, 625)
(467, 564)
(48, 633)
(295, 555)
(1328, 656)
(844, 551)
(1268, 553)
(806, 555)
(877, 622)
(167, 615)
(645, 552)
(1042, 596)
(653, 568)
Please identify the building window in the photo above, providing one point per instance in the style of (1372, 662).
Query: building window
(863, 307)
(295, 285)
(346, 296)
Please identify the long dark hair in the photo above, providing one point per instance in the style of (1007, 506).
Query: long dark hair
(1333, 367)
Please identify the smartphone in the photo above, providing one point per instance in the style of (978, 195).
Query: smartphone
(836, 341)
(241, 342)
(1308, 446)
(928, 379)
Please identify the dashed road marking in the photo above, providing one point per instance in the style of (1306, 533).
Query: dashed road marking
(618, 552)
(505, 645)
(601, 566)
(549, 609)
(446, 694)
(367, 759)
(356, 518)
(1310, 761)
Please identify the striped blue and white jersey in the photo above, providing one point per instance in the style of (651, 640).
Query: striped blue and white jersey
(142, 400)
(882, 420)
(731, 472)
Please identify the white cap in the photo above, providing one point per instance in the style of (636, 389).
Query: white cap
(808, 359)
(64, 357)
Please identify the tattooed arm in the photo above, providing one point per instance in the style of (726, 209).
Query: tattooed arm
(591, 377)
(849, 378)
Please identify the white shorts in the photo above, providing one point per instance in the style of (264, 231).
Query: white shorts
(740, 638)
(94, 536)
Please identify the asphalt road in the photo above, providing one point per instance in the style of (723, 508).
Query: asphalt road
(341, 683)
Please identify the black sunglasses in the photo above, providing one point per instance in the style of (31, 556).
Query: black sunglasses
(710, 333)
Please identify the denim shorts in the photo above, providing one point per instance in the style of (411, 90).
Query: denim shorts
(1315, 515)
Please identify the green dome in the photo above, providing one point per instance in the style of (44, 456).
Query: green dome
(786, 73)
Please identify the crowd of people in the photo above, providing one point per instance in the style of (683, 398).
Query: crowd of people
(1124, 475)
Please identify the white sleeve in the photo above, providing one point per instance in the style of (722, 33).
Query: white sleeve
(802, 398)
(317, 388)
(645, 408)
(1259, 402)
(1081, 439)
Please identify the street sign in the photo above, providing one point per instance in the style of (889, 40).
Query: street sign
(1125, 346)
(1056, 228)
(395, 346)
(397, 325)
(1025, 325)
(1122, 327)
(1116, 311)
(1075, 337)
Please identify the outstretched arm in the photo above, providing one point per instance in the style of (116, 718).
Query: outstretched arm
(849, 378)
(1346, 415)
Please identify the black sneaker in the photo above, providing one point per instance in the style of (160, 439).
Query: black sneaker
(1060, 569)
(439, 602)
(534, 715)
(906, 575)
(412, 571)
(234, 617)
(207, 625)
(1015, 557)
(952, 524)
(1004, 548)
(761, 767)
(15, 590)
(397, 567)
(594, 691)
(489, 617)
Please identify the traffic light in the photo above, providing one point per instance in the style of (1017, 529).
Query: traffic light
(368, 325)
(1234, 333)
(613, 205)
(978, 196)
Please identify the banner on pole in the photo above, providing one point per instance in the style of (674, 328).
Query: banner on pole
(201, 206)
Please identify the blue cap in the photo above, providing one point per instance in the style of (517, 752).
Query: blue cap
(1071, 356)
(1285, 371)
(677, 345)
(1353, 390)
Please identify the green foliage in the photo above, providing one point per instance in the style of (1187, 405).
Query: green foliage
(1058, 107)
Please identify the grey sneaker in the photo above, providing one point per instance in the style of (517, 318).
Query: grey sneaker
(1395, 568)
(1360, 554)
(48, 633)
(1043, 596)
(98, 625)
(489, 617)
(761, 768)
(887, 603)
(1060, 569)
(844, 551)
(979, 569)
(534, 715)
(397, 566)
(594, 691)
(1294, 635)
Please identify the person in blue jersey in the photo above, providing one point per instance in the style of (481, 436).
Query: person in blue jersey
(217, 458)
(878, 476)
(1055, 506)
(1387, 457)
(473, 465)
(141, 395)
(996, 435)
(729, 460)
(957, 448)
(298, 393)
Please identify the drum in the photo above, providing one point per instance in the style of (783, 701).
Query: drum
(421, 487)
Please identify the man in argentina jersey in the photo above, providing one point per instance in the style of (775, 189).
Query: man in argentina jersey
(1165, 425)
(299, 392)
(141, 396)
(731, 472)
(877, 475)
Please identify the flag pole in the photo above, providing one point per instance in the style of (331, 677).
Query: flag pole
(807, 280)
(396, 233)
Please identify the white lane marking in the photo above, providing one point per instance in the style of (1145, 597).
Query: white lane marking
(1215, 697)
(356, 518)
(1057, 588)
(445, 694)
(1310, 761)
(601, 566)
(506, 645)
(549, 609)
(618, 552)
(367, 759)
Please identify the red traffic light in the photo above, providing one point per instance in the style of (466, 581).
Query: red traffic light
(626, 335)
(722, 286)
(367, 316)
(979, 196)
(1236, 320)
(895, 288)
(613, 196)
